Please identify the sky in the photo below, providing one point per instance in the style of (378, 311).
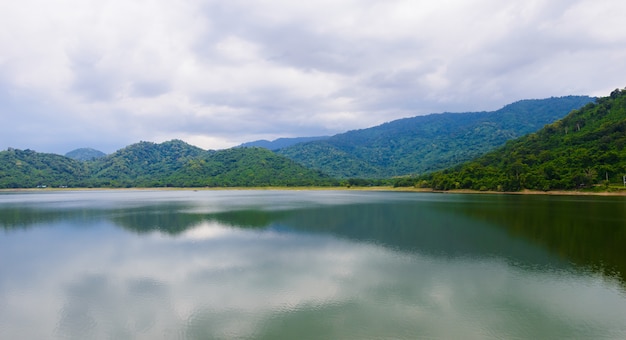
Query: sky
(215, 74)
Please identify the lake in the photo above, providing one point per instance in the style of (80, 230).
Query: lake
(270, 264)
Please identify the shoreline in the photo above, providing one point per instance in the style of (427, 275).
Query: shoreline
(621, 192)
(523, 192)
(546, 193)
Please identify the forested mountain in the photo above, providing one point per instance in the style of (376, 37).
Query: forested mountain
(427, 143)
(281, 143)
(147, 164)
(246, 167)
(582, 149)
(28, 169)
(85, 154)
(143, 163)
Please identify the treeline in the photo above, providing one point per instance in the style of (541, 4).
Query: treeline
(582, 150)
(146, 164)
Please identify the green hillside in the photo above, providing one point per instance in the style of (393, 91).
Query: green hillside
(579, 151)
(427, 143)
(29, 169)
(147, 164)
(245, 167)
(143, 163)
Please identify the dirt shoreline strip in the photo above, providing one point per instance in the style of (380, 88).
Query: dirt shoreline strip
(383, 188)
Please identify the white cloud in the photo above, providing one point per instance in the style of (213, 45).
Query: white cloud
(106, 74)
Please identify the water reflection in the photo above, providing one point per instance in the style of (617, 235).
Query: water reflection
(589, 231)
(298, 265)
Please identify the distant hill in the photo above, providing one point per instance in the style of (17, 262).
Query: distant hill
(427, 143)
(280, 143)
(583, 149)
(85, 154)
(147, 164)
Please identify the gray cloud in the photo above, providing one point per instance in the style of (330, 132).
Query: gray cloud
(216, 74)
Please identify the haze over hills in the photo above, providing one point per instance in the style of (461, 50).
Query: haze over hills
(85, 154)
(281, 143)
(427, 143)
(585, 148)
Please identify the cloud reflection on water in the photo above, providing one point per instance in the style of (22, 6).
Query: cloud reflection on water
(289, 279)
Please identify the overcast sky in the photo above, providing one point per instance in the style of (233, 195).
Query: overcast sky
(105, 74)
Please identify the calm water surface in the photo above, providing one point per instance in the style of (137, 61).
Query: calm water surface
(310, 265)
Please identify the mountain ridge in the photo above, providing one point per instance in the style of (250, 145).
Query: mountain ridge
(427, 143)
(280, 143)
(375, 150)
(583, 149)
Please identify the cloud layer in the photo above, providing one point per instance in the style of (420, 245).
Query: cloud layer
(215, 74)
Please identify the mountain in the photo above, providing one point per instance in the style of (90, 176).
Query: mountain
(427, 143)
(246, 167)
(29, 169)
(281, 143)
(146, 164)
(585, 148)
(85, 154)
(143, 163)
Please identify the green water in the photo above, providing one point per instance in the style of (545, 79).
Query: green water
(310, 265)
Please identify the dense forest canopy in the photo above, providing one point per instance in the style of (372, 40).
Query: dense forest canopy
(147, 164)
(28, 169)
(428, 143)
(583, 149)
